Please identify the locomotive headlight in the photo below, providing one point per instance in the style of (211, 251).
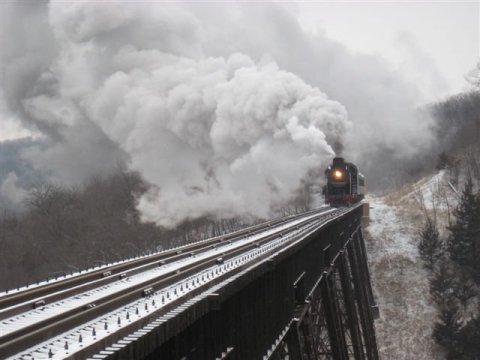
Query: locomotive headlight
(337, 174)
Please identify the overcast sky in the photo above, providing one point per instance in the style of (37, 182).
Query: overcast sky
(420, 36)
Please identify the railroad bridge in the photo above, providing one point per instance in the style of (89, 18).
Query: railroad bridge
(296, 288)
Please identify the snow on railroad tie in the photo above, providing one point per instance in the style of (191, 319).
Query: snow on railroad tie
(87, 334)
(65, 276)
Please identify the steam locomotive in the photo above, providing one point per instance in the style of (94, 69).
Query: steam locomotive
(345, 184)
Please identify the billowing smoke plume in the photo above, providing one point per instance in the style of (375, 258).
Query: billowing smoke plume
(214, 135)
(68, 148)
(388, 131)
(210, 134)
(220, 114)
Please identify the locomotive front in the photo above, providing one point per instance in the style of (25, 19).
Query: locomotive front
(345, 185)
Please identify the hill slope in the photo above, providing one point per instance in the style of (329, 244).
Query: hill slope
(407, 312)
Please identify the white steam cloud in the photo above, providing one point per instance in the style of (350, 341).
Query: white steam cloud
(216, 112)
(210, 134)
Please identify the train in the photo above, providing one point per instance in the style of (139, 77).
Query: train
(345, 184)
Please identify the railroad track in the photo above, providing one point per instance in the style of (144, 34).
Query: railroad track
(27, 298)
(36, 296)
(171, 277)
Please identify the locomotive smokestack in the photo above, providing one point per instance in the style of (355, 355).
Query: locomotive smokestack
(337, 146)
(338, 161)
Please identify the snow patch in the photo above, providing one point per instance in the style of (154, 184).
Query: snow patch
(400, 282)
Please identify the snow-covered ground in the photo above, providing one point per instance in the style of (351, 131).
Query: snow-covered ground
(407, 312)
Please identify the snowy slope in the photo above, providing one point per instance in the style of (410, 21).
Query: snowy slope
(407, 312)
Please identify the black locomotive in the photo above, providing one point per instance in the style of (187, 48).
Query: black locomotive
(345, 184)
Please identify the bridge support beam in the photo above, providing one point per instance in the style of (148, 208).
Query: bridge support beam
(310, 301)
(336, 320)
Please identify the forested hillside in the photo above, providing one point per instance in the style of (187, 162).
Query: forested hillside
(424, 245)
(451, 253)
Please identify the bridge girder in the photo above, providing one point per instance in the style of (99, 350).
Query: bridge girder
(311, 301)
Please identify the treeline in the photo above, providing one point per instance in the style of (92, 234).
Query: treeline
(458, 132)
(70, 229)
